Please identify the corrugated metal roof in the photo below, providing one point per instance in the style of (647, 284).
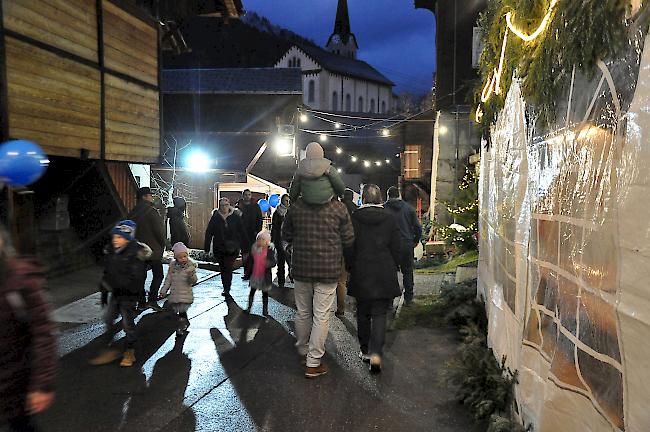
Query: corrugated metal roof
(344, 65)
(233, 81)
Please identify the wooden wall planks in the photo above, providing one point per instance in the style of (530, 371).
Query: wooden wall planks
(55, 100)
(133, 52)
(52, 100)
(55, 22)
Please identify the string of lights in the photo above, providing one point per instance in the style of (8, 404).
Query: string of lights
(325, 113)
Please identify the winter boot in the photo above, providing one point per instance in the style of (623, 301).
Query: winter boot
(265, 304)
(105, 357)
(251, 295)
(129, 358)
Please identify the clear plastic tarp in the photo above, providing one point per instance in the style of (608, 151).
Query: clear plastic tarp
(565, 250)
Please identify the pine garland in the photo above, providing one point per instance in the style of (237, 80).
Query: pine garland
(579, 34)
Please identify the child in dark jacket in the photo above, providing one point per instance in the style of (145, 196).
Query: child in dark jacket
(264, 258)
(316, 181)
(123, 281)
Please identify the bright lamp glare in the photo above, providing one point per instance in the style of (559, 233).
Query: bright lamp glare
(443, 130)
(339, 170)
(282, 145)
(353, 158)
(337, 125)
(378, 163)
(366, 164)
(385, 132)
(303, 118)
(387, 161)
(323, 137)
(338, 150)
(198, 162)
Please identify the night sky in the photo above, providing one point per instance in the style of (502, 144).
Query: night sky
(393, 36)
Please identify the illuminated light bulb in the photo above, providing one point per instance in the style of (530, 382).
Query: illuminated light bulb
(323, 137)
(378, 163)
(353, 158)
(387, 161)
(338, 150)
(443, 130)
(337, 125)
(303, 118)
(385, 132)
(536, 33)
(366, 164)
(339, 170)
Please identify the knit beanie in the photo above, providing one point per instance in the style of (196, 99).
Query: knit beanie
(179, 248)
(264, 235)
(314, 151)
(125, 228)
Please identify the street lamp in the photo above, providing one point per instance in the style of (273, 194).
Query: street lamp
(198, 161)
(283, 145)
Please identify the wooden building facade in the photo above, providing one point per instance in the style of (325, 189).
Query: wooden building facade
(81, 79)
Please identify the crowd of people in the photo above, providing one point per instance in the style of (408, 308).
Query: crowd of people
(331, 247)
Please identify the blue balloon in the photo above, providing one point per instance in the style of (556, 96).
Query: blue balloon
(264, 205)
(21, 162)
(274, 200)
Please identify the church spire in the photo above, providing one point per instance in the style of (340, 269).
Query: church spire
(342, 41)
(342, 23)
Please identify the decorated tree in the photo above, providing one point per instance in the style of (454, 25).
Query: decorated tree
(464, 211)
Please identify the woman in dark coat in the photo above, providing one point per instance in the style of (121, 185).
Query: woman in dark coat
(178, 230)
(28, 356)
(373, 272)
(276, 237)
(226, 234)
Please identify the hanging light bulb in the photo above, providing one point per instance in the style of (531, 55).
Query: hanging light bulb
(338, 150)
(353, 158)
(387, 161)
(385, 132)
(303, 118)
(366, 163)
(378, 163)
(337, 125)
(339, 170)
(323, 137)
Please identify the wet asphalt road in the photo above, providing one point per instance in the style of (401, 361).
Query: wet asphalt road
(235, 372)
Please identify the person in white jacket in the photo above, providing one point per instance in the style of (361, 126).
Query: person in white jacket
(181, 276)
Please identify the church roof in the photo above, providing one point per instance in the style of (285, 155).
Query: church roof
(344, 65)
(233, 81)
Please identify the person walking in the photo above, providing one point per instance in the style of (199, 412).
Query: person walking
(178, 230)
(252, 220)
(373, 272)
(181, 276)
(342, 287)
(320, 236)
(276, 237)
(410, 232)
(28, 351)
(263, 259)
(152, 233)
(121, 285)
(227, 236)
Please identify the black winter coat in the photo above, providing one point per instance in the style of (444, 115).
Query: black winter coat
(177, 227)
(276, 228)
(125, 272)
(252, 220)
(149, 227)
(373, 267)
(226, 235)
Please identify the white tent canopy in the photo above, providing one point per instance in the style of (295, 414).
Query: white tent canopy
(254, 183)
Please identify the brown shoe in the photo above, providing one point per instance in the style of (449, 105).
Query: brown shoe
(313, 372)
(375, 363)
(105, 357)
(128, 359)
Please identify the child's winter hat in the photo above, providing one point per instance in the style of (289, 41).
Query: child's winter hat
(125, 228)
(179, 248)
(264, 235)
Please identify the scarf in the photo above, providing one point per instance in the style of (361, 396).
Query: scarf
(282, 209)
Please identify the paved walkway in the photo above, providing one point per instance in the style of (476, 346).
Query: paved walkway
(235, 372)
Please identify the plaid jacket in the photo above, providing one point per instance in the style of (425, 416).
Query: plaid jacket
(318, 234)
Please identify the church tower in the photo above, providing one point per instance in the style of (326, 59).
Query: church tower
(342, 41)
